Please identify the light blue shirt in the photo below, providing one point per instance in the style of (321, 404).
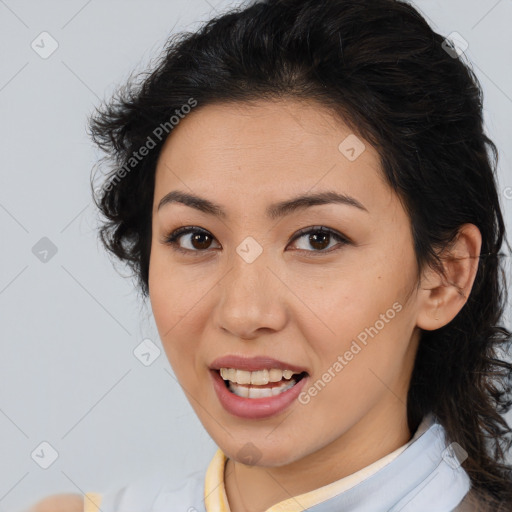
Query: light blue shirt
(425, 477)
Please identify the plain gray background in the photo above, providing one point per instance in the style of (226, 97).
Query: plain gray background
(69, 325)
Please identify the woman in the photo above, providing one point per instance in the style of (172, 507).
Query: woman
(304, 191)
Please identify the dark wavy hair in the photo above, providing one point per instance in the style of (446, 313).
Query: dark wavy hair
(404, 89)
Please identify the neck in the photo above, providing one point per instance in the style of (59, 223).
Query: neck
(256, 488)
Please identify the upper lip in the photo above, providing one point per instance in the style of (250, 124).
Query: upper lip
(252, 364)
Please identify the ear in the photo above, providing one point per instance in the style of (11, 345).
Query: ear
(442, 297)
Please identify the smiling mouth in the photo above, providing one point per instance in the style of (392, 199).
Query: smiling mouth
(260, 384)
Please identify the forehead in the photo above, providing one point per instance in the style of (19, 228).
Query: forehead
(267, 147)
(257, 125)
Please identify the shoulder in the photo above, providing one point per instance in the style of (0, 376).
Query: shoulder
(157, 491)
(60, 503)
(144, 494)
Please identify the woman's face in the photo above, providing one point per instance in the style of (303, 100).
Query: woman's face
(248, 284)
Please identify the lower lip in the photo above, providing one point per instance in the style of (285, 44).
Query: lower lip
(254, 408)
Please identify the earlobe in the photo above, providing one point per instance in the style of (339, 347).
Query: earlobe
(443, 296)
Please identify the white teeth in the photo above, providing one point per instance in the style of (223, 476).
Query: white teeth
(275, 375)
(259, 378)
(243, 383)
(251, 392)
(258, 393)
(242, 377)
(242, 391)
(229, 374)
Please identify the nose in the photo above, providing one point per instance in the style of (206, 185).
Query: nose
(251, 299)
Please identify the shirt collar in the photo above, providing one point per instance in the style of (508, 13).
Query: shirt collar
(215, 497)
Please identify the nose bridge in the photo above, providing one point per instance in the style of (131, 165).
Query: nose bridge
(248, 293)
(250, 273)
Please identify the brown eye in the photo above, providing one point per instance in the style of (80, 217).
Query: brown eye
(199, 241)
(319, 238)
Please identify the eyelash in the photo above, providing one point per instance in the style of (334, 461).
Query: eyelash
(172, 239)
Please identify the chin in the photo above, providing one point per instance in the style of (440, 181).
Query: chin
(262, 454)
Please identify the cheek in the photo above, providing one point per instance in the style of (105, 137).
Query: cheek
(361, 315)
(175, 302)
(350, 301)
(357, 366)
(174, 289)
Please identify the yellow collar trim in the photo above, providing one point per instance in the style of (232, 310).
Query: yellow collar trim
(215, 498)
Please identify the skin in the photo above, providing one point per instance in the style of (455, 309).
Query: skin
(303, 310)
(60, 503)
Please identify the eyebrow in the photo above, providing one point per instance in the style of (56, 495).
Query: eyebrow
(273, 211)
